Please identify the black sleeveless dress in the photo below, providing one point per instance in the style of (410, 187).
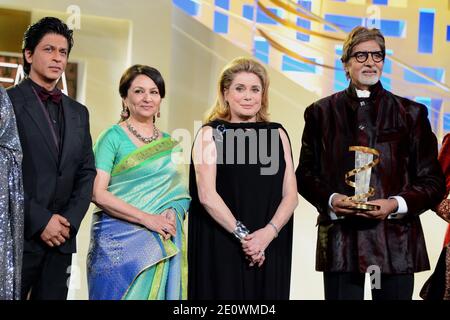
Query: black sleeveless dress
(250, 173)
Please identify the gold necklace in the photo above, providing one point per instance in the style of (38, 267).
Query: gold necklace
(145, 140)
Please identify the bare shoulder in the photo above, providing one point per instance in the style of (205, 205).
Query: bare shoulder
(204, 134)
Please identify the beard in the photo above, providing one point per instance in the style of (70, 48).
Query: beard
(368, 80)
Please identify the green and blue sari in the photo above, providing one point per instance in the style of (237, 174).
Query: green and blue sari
(126, 260)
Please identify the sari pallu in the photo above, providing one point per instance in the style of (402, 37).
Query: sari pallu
(126, 260)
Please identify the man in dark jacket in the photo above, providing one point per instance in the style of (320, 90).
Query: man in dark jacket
(58, 162)
(407, 181)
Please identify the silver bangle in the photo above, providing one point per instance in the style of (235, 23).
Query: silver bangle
(240, 231)
(274, 228)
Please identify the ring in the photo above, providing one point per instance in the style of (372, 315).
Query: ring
(262, 252)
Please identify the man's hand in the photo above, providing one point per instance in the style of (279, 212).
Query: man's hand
(387, 206)
(341, 206)
(57, 231)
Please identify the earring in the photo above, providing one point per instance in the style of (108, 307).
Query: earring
(125, 113)
(158, 114)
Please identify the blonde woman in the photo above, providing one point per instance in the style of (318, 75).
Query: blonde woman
(243, 190)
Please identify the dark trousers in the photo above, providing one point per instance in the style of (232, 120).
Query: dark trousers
(46, 274)
(350, 286)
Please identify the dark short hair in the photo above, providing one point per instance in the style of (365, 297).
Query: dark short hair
(36, 31)
(132, 72)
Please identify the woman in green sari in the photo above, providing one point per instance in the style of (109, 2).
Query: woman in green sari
(137, 248)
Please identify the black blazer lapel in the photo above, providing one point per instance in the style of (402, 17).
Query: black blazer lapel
(34, 109)
(70, 129)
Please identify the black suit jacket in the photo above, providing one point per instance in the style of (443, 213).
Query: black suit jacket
(53, 185)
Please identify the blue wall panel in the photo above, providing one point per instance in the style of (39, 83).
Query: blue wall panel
(261, 17)
(262, 51)
(290, 64)
(426, 30)
(303, 22)
(188, 6)
(220, 22)
(434, 73)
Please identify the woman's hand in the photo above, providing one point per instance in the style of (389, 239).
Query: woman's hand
(258, 259)
(163, 224)
(170, 215)
(255, 243)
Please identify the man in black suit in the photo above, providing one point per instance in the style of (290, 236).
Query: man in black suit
(58, 163)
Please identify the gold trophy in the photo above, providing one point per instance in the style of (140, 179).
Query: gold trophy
(364, 162)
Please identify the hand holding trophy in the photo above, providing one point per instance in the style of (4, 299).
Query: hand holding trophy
(364, 163)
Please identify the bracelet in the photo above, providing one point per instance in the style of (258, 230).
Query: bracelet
(274, 228)
(240, 231)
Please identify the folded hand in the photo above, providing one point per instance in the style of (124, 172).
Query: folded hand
(57, 231)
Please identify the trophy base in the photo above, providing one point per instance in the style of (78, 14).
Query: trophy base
(362, 206)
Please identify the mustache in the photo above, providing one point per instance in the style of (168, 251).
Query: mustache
(369, 69)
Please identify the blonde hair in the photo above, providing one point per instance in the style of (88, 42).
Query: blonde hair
(220, 109)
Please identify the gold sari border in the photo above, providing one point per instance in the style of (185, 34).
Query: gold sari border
(145, 153)
(171, 250)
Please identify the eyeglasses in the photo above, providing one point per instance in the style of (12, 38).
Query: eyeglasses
(362, 56)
